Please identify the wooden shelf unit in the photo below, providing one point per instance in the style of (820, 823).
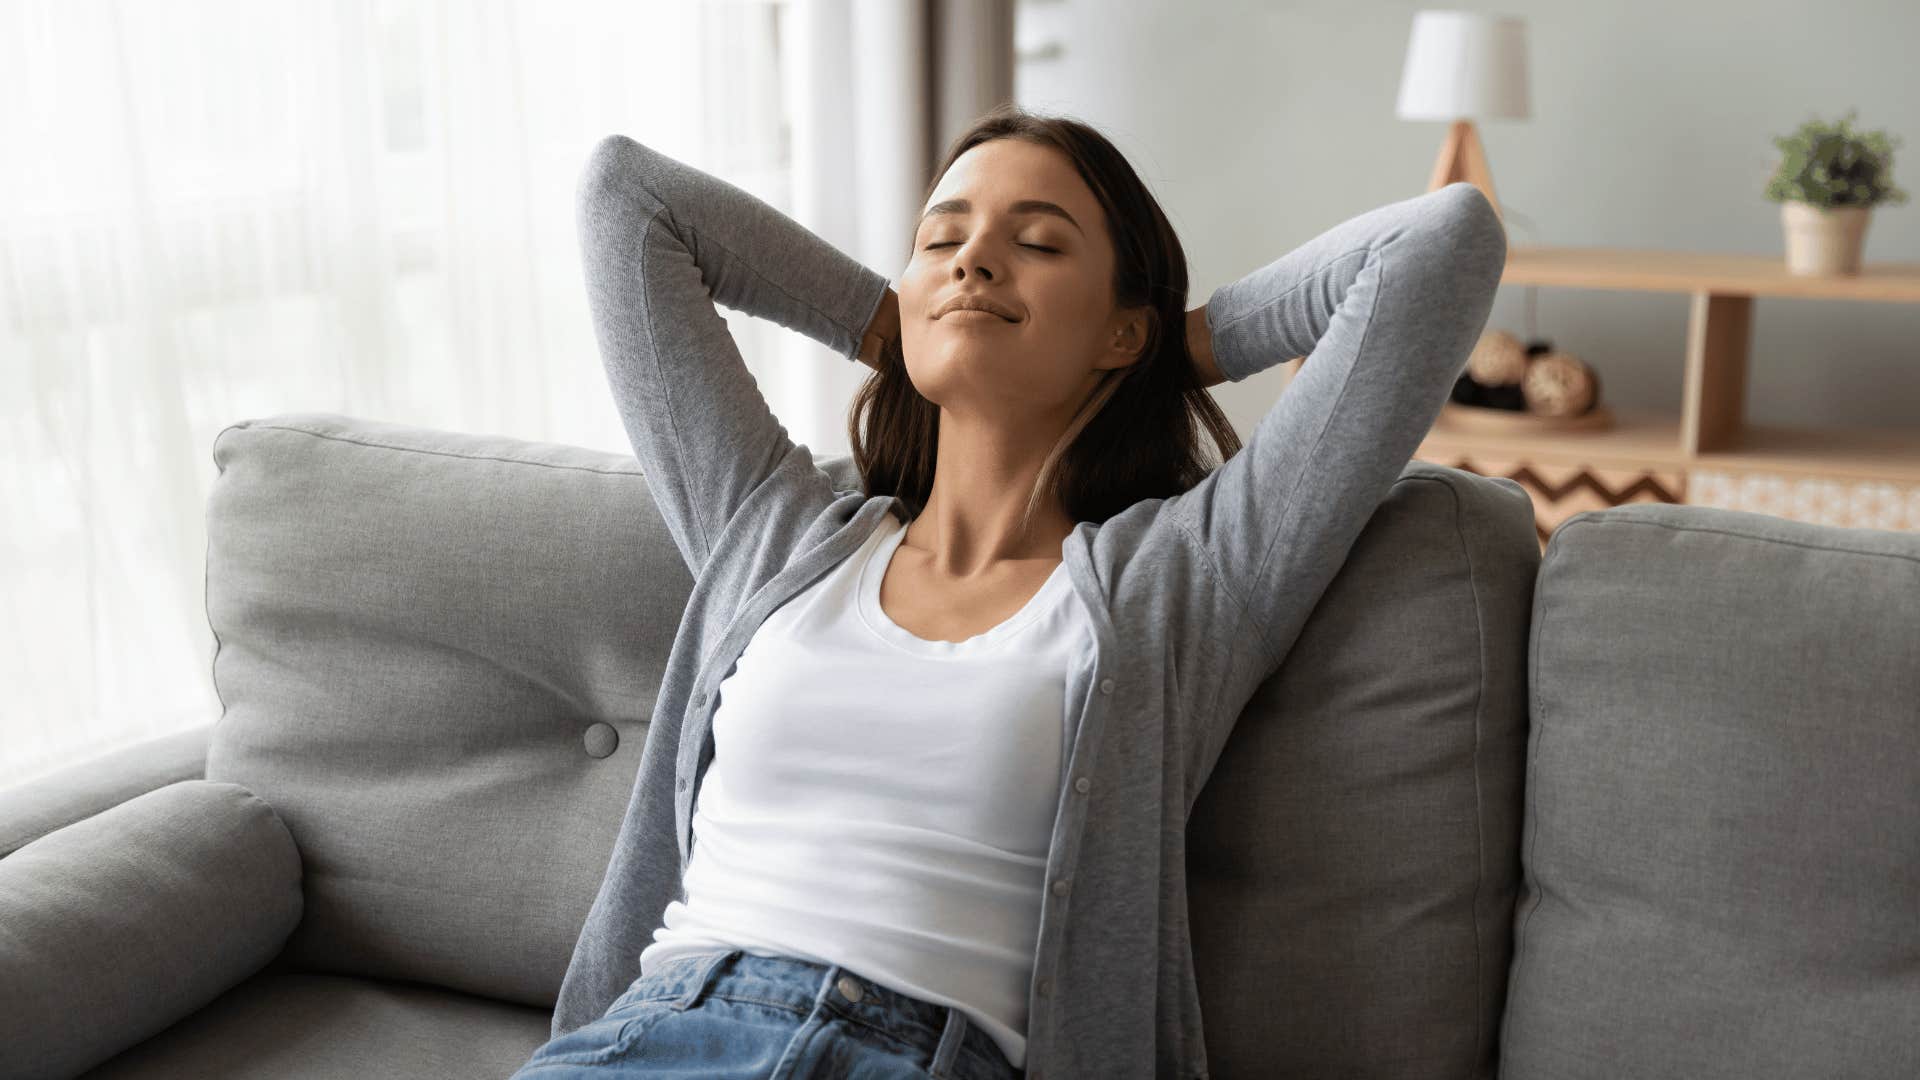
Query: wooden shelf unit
(1706, 453)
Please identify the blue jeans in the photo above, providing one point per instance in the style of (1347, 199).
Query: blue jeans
(735, 1014)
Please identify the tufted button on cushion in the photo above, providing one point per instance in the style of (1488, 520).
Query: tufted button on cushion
(601, 738)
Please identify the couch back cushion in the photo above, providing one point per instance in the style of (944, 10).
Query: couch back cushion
(1353, 860)
(438, 655)
(1722, 850)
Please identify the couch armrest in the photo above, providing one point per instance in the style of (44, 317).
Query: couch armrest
(115, 927)
(31, 810)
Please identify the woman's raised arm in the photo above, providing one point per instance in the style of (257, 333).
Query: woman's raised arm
(1386, 307)
(661, 242)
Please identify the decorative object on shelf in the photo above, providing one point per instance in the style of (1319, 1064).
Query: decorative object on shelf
(1461, 65)
(1499, 359)
(1828, 181)
(1560, 384)
(1493, 373)
(1469, 392)
(1514, 388)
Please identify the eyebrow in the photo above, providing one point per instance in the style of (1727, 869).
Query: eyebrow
(1024, 206)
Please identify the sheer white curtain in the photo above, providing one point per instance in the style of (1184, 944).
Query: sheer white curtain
(212, 211)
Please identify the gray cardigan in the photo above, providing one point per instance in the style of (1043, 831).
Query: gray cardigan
(1195, 599)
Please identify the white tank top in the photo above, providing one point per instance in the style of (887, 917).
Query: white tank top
(885, 802)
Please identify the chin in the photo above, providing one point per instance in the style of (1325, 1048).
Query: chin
(945, 364)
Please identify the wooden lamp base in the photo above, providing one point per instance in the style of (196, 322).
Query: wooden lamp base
(1463, 158)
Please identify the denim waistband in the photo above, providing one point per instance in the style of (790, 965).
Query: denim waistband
(799, 985)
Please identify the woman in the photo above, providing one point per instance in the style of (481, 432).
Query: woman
(914, 795)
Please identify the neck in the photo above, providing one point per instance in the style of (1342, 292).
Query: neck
(983, 475)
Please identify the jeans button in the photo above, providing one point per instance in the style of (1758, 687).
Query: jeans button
(849, 989)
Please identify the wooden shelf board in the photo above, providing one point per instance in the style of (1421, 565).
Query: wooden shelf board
(1863, 453)
(1651, 439)
(1644, 270)
(1638, 438)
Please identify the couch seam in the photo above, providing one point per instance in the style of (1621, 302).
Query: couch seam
(1538, 730)
(206, 597)
(1598, 519)
(1479, 796)
(441, 453)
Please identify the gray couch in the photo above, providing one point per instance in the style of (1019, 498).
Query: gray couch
(1648, 806)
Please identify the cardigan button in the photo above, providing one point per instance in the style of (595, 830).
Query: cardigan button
(1060, 887)
(1106, 686)
(1046, 987)
(1081, 785)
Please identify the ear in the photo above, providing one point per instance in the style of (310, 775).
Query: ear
(1126, 337)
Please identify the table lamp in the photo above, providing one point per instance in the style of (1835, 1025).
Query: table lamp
(1461, 65)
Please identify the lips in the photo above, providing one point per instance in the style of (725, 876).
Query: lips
(976, 303)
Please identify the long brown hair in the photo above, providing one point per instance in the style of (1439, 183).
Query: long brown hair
(1138, 434)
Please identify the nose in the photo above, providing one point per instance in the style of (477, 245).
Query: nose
(970, 259)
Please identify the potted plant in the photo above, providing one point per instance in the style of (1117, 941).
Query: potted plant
(1827, 183)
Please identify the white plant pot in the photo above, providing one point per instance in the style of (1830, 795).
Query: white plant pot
(1823, 240)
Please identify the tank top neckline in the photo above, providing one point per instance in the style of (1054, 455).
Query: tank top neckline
(879, 554)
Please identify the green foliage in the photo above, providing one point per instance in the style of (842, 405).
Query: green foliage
(1832, 165)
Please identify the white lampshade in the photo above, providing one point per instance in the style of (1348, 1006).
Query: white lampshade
(1464, 65)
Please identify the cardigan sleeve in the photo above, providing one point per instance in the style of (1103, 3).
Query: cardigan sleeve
(661, 242)
(1385, 307)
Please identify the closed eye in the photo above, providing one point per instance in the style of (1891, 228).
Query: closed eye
(955, 243)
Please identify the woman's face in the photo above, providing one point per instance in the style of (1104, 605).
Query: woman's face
(984, 234)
